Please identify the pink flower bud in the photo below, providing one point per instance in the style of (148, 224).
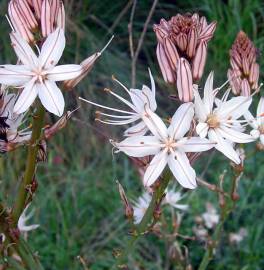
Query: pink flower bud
(160, 32)
(60, 22)
(37, 4)
(166, 70)
(184, 81)
(27, 14)
(181, 40)
(245, 66)
(254, 75)
(234, 64)
(192, 43)
(234, 80)
(199, 61)
(171, 53)
(203, 23)
(236, 57)
(19, 23)
(46, 18)
(245, 88)
(87, 66)
(208, 32)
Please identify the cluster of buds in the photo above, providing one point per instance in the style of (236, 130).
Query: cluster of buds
(244, 72)
(30, 17)
(182, 50)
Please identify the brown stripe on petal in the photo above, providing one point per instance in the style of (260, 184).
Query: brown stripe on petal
(184, 81)
(199, 61)
(234, 81)
(245, 88)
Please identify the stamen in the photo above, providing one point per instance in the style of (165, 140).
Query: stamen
(114, 116)
(105, 107)
(107, 44)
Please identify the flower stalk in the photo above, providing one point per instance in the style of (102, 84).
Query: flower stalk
(142, 227)
(38, 122)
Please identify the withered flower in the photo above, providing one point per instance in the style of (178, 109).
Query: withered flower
(244, 71)
(182, 50)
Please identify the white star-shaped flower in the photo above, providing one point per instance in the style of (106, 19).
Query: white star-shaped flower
(172, 198)
(139, 100)
(168, 145)
(140, 207)
(257, 123)
(220, 123)
(37, 74)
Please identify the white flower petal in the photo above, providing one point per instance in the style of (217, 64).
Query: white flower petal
(151, 94)
(194, 144)
(64, 72)
(224, 146)
(51, 97)
(155, 124)
(202, 129)
(251, 120)
(208, 93)
(181, 121)
(235, 107)
(234, 135)
(260, 111)
(255, 133)
(52, 49)
(139, 129)
(139, 146)
(26, 98)
(200, 110)
(23, 51)
(14, 75)
(182, 170)
(137, 99)
(155, 168)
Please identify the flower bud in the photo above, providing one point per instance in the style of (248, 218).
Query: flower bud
(199, 61)
(60, 124)
(87, 66)
(192, 43)
(27, 14)
(181, 41)
(167, 72)
(60, 22)
(37, 7)
(254, 75)
(233, 76)
(46, 18)
(184, 81)
(245, 65)
(208, 32)
(160, 32)
(245, 88)
(129, 211)
(18, 22)
(171, 53)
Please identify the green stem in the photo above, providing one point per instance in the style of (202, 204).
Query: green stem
(143, 225)
(38, 122)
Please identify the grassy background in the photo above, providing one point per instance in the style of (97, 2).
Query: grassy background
(77, 203)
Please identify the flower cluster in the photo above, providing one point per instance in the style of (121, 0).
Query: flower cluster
(194, 128)
(182, 50)
(244, 72)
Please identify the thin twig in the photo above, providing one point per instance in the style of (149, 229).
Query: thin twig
(140, 43)
(130, 29)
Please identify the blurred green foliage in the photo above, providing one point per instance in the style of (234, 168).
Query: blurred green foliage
(77, 202)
